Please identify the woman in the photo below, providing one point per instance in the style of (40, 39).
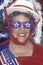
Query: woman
(22, 19)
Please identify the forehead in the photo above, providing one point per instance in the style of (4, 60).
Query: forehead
(21, 17)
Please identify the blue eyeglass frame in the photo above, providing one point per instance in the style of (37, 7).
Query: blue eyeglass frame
(17, 24)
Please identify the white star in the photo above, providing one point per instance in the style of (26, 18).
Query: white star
(10, 62)
(16, 24)
(27, 25)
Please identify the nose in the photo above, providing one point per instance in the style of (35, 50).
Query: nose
(22, 27)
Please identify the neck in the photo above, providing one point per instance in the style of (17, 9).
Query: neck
(28, 42)
(21, 50)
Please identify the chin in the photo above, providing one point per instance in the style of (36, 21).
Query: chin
(21, 40)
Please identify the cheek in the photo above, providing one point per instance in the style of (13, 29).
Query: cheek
(27, 33)
(15, 32)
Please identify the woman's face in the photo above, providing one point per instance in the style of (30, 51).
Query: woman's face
(21, 33)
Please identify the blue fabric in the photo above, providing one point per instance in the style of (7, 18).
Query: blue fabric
(3, 47)
(7, 55)
(1, 1)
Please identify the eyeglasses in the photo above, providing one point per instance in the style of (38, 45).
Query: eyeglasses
(17, 24)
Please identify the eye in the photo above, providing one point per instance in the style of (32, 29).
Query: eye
(27, 25)
(15, 24)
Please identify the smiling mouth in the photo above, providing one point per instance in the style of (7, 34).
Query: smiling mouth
(22, 34)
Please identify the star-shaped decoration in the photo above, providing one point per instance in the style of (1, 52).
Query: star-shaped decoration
(16, 25)
(28, 24)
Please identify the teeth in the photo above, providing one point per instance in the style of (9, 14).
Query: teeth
(22, 35)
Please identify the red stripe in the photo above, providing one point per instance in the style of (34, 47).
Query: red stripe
(2, 58)
(27, 7)
(34, 28)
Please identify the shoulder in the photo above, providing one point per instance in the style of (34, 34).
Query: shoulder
(38, 54)
(38, 49)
